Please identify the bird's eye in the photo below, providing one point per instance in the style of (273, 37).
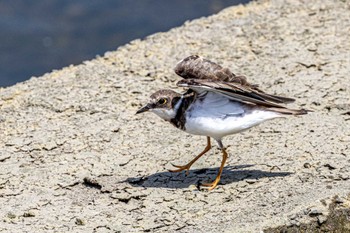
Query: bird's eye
(162, 101)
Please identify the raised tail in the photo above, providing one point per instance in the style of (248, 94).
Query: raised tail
(287, 111)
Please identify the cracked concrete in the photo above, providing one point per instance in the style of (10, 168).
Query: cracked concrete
(75, 157)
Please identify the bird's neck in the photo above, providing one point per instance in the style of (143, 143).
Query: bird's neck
(180, 108)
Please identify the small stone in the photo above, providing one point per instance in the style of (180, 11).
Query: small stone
(79, 221)
(122, 197)
(321, 219)
(339, 200)
(29, 214)
(314, 212)
(318, 210)
(50, 145)
(312, 47)
(11, 215)
(307, 165)
(250, 181)
(193, 187)
(330, 166)
(293, 223)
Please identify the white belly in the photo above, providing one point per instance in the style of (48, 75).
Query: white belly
(219, 117)
(220, 127)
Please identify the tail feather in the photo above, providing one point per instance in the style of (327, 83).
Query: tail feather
(282, 99)
(287, 111)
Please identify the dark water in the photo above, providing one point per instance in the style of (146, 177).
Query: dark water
(37, 36)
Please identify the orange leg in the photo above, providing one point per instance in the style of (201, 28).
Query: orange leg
(213, 184)
(187, 166)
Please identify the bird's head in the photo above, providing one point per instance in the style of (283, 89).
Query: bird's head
(164, 103)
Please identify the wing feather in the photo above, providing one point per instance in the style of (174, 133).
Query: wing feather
(203, 75)
(195, 67)
(233, 93)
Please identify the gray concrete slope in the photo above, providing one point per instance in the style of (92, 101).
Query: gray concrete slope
(74, 157)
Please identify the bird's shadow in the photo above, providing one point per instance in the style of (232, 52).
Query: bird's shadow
(173, 180)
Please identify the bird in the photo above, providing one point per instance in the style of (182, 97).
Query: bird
(215, 104)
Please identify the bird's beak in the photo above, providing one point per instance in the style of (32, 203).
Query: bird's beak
(144, 109)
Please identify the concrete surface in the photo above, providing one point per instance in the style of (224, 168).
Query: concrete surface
(74, 157)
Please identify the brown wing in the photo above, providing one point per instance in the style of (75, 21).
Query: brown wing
(204, 74)
(195, 67)
(238, 93)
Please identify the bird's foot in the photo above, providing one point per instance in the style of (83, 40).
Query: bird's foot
(188, 166)
(212, 185)
(181, 168)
